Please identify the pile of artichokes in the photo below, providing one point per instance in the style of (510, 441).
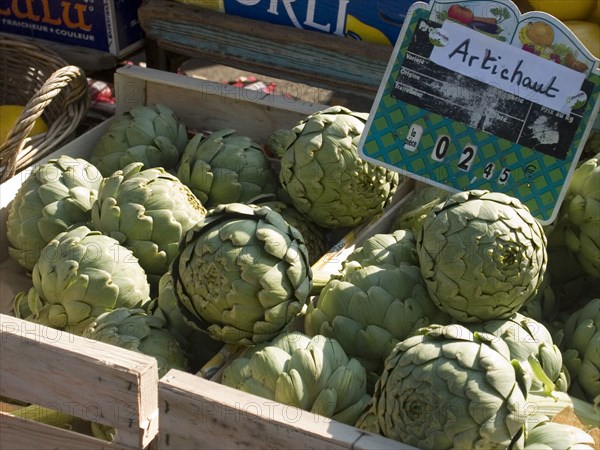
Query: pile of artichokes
(440, 332)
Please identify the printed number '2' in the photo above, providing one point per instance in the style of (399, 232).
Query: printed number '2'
(466, 158)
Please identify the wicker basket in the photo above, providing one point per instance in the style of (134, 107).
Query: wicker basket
(47, 86)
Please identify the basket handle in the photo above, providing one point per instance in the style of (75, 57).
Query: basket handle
(17, 136)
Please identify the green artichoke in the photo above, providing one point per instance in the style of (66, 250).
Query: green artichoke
(198, 346)
(553, 435)
(572, 286)
(54, 197)
(392, 248)
(581, 212)
(314, 235)
(311, 374)
(81, 274)
(134, 329)
(226, 168)
(323, 174)
(242, 273)
(449, 388)
(544, 306)
(580, 345)
(482, 255)
(527, 338)
(147, 134)
(592, 145)
(147, 211)
(370, 309)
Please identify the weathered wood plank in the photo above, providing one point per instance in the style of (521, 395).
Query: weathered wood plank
(201, 414)
(315, 58)
(21, 434)
(84, 378)
(208, 105)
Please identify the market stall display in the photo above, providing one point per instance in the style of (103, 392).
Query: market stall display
(307, 275)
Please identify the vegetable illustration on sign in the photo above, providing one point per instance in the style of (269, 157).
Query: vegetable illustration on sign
(475, 93)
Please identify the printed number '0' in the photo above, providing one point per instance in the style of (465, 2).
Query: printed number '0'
(441, 148)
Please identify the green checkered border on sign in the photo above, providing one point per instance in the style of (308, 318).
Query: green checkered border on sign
(535, 178)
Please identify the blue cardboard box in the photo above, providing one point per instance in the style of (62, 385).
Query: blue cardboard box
(111, 26)
(377, 21)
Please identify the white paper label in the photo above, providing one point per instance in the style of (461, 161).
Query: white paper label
(506, 67)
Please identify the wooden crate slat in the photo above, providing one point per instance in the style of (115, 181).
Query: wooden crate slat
(198, 413)
(210, 106)
(21, 434)
(88, 379)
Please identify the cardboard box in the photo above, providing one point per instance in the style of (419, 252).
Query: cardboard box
(110, 26)
(377, 21)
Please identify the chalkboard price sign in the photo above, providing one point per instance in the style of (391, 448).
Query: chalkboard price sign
(479, 96)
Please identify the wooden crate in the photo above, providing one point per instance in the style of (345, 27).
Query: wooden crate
(41, 365)
(88, 379)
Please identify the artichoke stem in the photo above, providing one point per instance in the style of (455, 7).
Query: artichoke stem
(552, 405)
(212, 366)
(319, 279)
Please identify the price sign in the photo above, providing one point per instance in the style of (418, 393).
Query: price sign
(479, 96)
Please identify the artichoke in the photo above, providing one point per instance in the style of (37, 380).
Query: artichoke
(581, 213)
(81, 274)
(54, 197)
(242, 273)
(370, 309)
(545, 305)
(311, 374)
(146, 134)
(323, 174)
(580, 345)
(135, 330)
(553, 435)
(147, 211)
(592, 145)
(572, 286)
(199, 347)
(449, 388)
(314, 236)
(526, 339)
(482, 255)
(225, 168)
(392, 248)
